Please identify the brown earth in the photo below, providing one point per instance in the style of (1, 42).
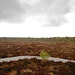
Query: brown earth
(36, 67)
(55, 49)
(33, 66)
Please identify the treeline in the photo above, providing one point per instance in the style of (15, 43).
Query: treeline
(37, 39)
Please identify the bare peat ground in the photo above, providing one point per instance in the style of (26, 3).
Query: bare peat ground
(61, 49)
(36, 67)
(55, 49)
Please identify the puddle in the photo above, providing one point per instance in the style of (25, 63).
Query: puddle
(29, 57)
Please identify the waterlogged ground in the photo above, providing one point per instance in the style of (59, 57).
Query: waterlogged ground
(33, 66)
(36, 67)
(37, 57)
(59, 49)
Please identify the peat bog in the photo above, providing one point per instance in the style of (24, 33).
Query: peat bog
(36, 67)
(56, 47)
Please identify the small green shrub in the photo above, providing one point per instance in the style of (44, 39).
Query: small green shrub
(44, 55)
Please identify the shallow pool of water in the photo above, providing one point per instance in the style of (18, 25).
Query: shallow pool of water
(37, 57)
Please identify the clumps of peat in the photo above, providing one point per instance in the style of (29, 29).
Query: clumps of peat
(36, 67)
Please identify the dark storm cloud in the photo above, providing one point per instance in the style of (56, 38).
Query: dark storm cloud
(11, 10)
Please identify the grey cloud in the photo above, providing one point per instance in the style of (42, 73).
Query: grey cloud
(55, 21)
(11, 10)
(53, 6)
(54, 9)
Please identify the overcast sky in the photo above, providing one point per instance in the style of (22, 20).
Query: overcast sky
(37, 18)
